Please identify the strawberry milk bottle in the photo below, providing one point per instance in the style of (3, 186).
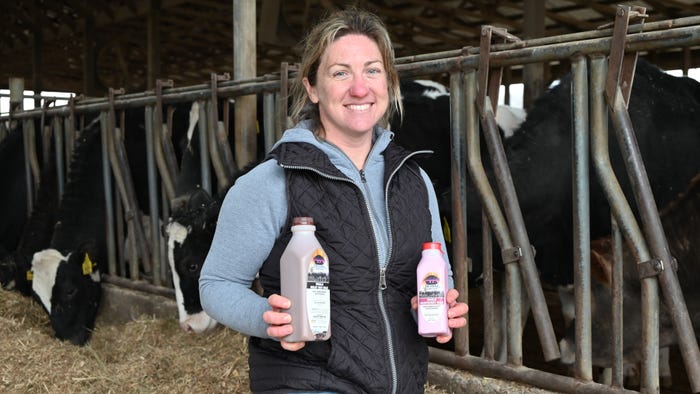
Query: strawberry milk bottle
(304, 277)
(432, 280)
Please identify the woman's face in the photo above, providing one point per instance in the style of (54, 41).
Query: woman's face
(351, 87)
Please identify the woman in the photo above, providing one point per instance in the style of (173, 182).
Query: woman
(373, 207)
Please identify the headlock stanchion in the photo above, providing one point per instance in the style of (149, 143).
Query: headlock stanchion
(618, 86)
(124, 180)
(487, 98)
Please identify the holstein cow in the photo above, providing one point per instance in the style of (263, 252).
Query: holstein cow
(37, 232)
(189, 234)
(679, 220)
(66, 277)
(426, 125)
(664, 113)
(191, 226)
(13, 202)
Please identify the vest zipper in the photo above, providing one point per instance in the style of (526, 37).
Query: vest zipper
(382, 270)
(382, 273)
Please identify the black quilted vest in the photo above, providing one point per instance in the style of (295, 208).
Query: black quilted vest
(374, 344)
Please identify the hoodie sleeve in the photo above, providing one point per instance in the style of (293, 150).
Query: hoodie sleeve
(251, 216)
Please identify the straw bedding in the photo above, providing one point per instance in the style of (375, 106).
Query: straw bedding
(145, 355)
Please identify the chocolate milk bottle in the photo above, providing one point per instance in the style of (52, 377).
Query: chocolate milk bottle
(304, 277)
(431, 281)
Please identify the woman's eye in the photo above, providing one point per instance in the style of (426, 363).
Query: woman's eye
(340, 74)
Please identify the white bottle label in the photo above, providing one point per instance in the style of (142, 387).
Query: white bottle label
(318, 294)
(431, 297)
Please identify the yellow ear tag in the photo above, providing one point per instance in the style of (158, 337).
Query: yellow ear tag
(87, 265)
(447, 232)
(30, 275)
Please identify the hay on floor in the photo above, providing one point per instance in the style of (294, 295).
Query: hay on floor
(145, 355)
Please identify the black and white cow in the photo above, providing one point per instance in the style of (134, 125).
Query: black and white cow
(665, 112)
(679, 220)
(190, 233)
(66, 276)
(38, 230)
(13, 203)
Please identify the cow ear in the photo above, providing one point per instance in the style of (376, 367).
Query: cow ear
(199, 198)
(601, 261)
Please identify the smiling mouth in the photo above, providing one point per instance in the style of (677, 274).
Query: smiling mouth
(359, 107)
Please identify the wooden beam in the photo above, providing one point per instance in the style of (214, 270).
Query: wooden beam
(244, 49)
(89, 57)
(153, 43)
(533, 74)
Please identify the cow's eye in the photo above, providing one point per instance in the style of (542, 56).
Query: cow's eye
(193, 268)
(71, 293)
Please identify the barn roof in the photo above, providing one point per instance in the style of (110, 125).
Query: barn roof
(196, 35)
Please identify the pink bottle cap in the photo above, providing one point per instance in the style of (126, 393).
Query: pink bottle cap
(432, 245)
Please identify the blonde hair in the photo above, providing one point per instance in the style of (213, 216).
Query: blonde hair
(317, 41)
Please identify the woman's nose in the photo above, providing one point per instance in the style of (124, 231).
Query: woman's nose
(359, 87)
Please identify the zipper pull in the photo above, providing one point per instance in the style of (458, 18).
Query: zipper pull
(362, 176)
(382, 279)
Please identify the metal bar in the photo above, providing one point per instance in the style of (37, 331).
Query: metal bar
(217, 162)
(672, 33)
(28, 137)
(109, 201)
(679, 37)
(563, 38)
(581, 214)
(673, 296)
(58, 141)
(487, 290)
(165, 172)
(167, 141)
(125, 186)
(223, 155)
(600, 157)
(617, 307)
(140, 286)
(510, 294)
(522, 374)
(517, 227)
(516, 224)
(496, 218)
(153, 198)
(459, 201)
(269, 121)
(204, 147)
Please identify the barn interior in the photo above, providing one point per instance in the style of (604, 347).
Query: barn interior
(86, 47)
(90, 47)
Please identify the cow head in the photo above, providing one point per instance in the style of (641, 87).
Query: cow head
(189, 235)
(69, 289)
(8, 269)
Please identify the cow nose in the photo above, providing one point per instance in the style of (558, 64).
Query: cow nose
(186, 327)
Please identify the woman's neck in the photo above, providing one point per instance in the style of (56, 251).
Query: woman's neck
(357, 149)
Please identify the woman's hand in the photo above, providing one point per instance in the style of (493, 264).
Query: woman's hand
(279, 321)
(455, 313)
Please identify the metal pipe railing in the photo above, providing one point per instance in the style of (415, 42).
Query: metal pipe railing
(459, 200)
(581, 217)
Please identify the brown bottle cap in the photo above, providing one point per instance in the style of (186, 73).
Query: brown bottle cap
(303, 220)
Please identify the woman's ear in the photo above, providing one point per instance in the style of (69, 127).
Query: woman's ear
(310, 90)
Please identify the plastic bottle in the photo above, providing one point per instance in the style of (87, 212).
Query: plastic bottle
(304, 277)
(432, 279)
